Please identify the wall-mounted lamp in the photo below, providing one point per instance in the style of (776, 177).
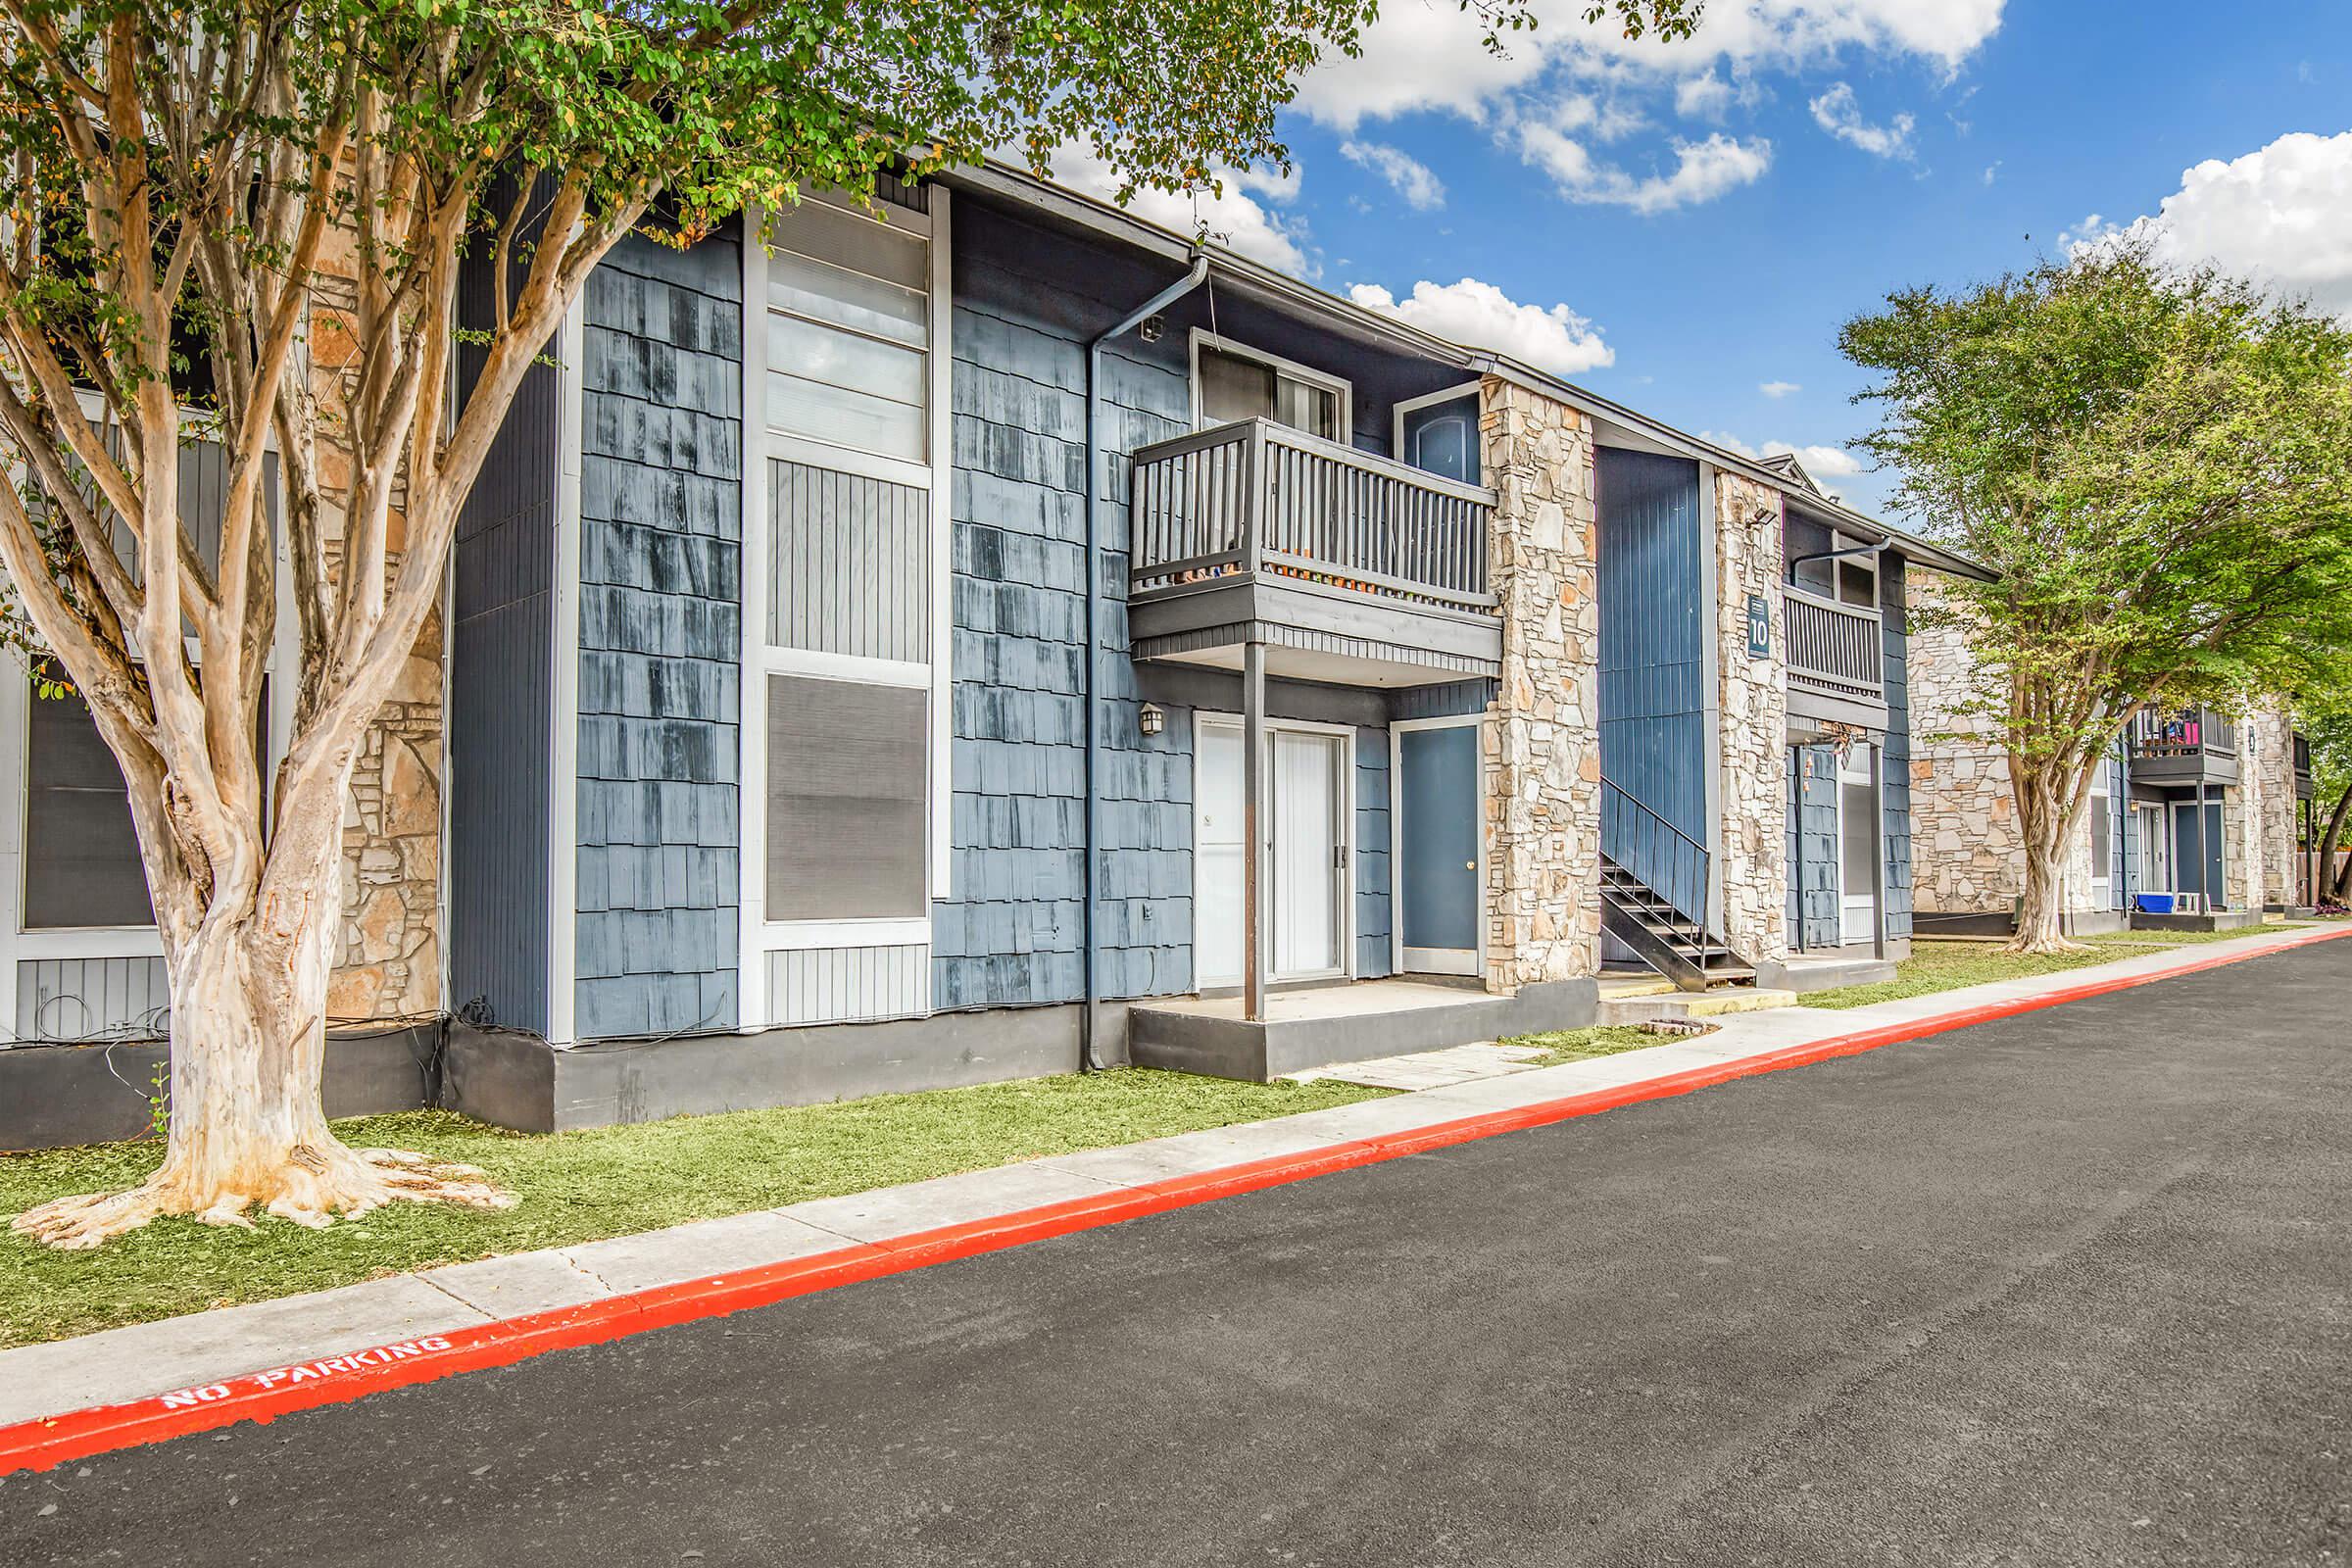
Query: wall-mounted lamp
(1151, 718)
(1153, 327)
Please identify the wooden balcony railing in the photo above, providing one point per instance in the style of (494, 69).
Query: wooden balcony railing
(1262, 499)
(1838, 647)
(2188, 733)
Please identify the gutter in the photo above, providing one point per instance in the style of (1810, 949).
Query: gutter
(1091, 985)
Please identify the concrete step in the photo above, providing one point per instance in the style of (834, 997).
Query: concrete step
(1684, 1005)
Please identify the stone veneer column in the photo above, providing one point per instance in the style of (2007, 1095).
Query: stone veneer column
(1540, 742)
(390, 962)
(2245, 812)
(2274, 761)
(1752, 721)
(1966, 857)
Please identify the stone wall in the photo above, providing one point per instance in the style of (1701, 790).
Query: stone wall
(2273, 761)
(390, 964)
(1965, 854)
(1540, 742)
(1752, 700)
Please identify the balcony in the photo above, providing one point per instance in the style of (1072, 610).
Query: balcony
(1348, 568)
(1837, 659)
(2191, 746)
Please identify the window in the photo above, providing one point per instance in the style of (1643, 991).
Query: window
(845, 603)
(1232, 383)
(2102, 840)
(82, 853)
(1817, 564)
(1857, 577)
(848, 329)
(848, 800)
(1440, 435)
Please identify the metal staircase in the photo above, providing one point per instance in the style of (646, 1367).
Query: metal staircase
(1656, 896)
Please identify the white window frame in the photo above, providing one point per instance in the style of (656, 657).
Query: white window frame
(20, 945)
(759, 935)
(1265, 850)
(1202, 338)
(1474, 390)
(1397, 948)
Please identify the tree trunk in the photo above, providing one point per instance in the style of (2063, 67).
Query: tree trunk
(2325, 884)
(248, 1123)
(2046, 817)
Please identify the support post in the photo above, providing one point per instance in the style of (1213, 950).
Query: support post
(1877, 859)
(1254, 829)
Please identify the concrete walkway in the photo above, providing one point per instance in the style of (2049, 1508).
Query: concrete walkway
(154, 1358)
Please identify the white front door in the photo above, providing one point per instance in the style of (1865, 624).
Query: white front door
(1857, 845)
(1307, 852)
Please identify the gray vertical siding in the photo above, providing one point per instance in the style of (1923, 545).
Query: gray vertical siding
(1009, 932)
(1652, 680)
(659, 863)
(1896, 757)
(496, 869)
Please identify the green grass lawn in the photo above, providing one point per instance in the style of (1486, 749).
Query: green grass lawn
(1948, 965)
(582, 1186)
(1583, 1045)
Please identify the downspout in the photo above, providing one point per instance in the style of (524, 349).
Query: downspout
(1090, 981)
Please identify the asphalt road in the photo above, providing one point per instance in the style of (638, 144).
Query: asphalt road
(2072, 1288)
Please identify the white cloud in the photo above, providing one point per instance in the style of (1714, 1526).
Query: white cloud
(1702, 97)
(1411, 178)
(1777, 389)
(1821, 461)
(1429, 56)
(1482, 316)
(1992, 171)
(1235, 219)
(1702, 171)
(1838, 112)
(1273, 184)
(2280, 215)
(2089, 234)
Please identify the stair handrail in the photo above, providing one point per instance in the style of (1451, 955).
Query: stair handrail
(1625, 816)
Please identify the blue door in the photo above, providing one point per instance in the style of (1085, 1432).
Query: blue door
(2197, 841)
(1437, 844)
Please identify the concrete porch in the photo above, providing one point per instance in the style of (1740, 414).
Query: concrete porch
(1314, 1028)
(1830, 967)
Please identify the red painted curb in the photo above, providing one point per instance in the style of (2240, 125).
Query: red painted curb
(277, 1391)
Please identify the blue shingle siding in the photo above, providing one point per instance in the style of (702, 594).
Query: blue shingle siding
(1895, 800)
(1010, 932)
(659, 869)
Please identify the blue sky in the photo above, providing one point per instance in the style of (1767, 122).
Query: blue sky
(1685, 229)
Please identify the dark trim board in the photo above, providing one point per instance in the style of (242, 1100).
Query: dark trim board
(61, 1097)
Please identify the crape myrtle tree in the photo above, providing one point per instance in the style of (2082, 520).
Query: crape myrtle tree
(2325, 718)
(2158, 463)
(201, 194)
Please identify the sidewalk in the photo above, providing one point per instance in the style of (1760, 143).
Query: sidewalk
(208, 1368)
